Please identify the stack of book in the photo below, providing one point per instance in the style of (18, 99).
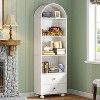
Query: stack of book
(53, 69)
(59, 51)
(48, 53)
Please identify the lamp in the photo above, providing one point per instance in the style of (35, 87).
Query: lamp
(10, 22)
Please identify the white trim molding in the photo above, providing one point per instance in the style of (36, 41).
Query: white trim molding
(93, 54)
(92, 62)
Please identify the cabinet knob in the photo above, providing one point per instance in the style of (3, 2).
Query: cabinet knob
(54, 88)
(53, 78)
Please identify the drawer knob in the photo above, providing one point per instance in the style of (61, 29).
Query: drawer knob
(53, 79)
(54, 88)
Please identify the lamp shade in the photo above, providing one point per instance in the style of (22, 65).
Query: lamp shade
(10, 21)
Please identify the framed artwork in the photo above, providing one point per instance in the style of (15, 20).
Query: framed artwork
(1, 13)
(57, 14)
(61, 67)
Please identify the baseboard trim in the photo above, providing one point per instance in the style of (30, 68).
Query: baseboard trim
(70, 91)
(84, 94)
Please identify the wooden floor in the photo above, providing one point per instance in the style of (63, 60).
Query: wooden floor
(67, 97)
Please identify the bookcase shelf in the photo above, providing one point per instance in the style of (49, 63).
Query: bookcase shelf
(50, 50)
(44, 18)
(53, 36)
(53, 55)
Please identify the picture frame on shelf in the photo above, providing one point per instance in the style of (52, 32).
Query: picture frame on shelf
(57, 14)
(47, 14)
(45, 67)
(61, 67)
(57, 44)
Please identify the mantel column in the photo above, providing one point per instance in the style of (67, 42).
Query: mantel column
(8, 54)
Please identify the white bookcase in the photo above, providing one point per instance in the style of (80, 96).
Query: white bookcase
(50, 50)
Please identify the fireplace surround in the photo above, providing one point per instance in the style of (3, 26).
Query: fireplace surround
(8, 77)
(1, 75)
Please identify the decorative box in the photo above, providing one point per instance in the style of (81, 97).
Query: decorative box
(60, 51)
(53, 69)
(47, 14)
(61, 67)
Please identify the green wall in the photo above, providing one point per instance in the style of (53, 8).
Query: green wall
(82, 74)
(24, 11)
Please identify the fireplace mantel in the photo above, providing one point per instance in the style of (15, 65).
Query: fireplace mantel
(10, 42)
(12, 45)
(8, 57)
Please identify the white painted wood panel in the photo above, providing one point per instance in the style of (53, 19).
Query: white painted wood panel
(50, 78)
(53, 89)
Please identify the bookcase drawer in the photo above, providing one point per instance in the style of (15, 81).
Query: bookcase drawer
(53, 88)
(54, 78)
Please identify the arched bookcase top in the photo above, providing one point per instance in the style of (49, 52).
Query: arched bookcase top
(52, 8)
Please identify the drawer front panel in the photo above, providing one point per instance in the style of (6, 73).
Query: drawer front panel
(53, 89)
(54, 78)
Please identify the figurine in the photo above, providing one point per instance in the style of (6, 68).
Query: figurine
(55, 31)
